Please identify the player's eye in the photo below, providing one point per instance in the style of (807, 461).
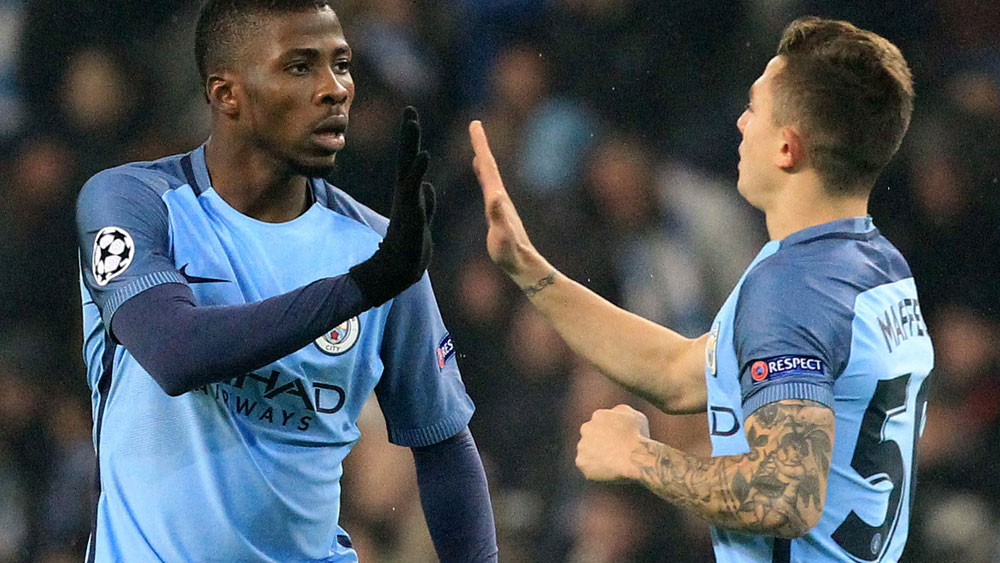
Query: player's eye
(748, 108)
(342, 67)
(298, 68)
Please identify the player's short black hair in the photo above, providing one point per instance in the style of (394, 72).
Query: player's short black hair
(224, 24)
(851, 91)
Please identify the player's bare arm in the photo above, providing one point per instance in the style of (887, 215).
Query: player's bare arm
(652, 361)
(778, 488)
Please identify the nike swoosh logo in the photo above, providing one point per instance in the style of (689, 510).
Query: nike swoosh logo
(196, 279)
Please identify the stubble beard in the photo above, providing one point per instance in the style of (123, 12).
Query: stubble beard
(312, 170)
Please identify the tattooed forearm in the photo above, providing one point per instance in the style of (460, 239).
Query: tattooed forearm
(778, 488)
(533, 290)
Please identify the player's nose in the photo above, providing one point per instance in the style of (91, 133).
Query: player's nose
(332, 88)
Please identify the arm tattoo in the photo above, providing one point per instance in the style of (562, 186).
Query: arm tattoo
(533, 290)
(778, 488)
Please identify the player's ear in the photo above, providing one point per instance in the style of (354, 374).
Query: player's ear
(222, 94)
(792, 152)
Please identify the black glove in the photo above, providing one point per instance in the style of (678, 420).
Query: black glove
(405, 252)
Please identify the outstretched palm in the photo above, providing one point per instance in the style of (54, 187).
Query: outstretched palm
(507, 241)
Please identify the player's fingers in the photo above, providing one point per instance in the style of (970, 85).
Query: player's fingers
(495, 211)
(484, 163)
(409, 141)
(480, 144)
(634, 415)
(429, 201)
(625, 409)
(415, 175)
(494, 195)
(489, 181)
(600, 417)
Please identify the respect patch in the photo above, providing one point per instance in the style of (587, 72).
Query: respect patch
(777, 367)
(445, 350)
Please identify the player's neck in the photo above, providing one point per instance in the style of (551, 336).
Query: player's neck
(800, 207)
(255, 184)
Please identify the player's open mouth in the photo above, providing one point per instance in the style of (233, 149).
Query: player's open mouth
(330, 133)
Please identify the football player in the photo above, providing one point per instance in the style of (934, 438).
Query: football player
(822, 332)
(239, 310)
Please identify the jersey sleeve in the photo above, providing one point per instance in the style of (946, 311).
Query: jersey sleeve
(791, 336)
(124, 236)
(421, 392)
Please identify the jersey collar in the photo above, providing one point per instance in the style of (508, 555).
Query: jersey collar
(849, 226)
(196, 174)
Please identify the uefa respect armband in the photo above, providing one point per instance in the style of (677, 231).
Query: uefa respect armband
(769, 369)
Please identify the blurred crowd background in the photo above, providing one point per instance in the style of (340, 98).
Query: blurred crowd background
(614, 122)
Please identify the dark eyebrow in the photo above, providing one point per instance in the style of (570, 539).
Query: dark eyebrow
(310, 53)
(301, 52)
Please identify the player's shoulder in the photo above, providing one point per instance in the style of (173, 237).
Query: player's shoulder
(785, 277)
(338, 201)
(827, 268)
(855, 261)
(134, 181)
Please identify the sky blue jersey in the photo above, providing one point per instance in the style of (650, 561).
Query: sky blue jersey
(829, 314)
(247, 469)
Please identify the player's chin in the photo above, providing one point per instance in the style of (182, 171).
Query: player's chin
(315, 165)
(748, 193)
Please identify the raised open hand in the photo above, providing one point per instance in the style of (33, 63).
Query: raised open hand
(507, 242)
(406, 249)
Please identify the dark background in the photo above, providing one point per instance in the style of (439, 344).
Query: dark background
(614, 122)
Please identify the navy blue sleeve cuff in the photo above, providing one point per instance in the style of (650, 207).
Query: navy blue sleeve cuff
(818, 392)
(136, 287)
(447, 427)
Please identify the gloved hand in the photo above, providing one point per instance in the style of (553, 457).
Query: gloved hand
(404, 253)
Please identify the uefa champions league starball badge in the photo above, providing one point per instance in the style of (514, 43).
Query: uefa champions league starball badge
(340, 339)
(114, 250)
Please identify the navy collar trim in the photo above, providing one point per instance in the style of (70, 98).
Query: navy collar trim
(195, 170)
(188, 170)
(196, 174)
(849, 226)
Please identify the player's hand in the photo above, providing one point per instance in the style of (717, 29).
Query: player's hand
(507, 241)
(405, 252)
(609, 441)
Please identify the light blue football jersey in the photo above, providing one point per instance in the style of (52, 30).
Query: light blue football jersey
(248, 469)
(829, 314)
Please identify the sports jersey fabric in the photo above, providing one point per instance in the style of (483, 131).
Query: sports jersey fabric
(829, 314)
(245, 469)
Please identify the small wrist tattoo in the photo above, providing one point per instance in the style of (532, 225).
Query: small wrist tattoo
(533, 290)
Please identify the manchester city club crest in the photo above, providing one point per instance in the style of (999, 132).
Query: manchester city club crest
(340, 339)
(710, 349)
